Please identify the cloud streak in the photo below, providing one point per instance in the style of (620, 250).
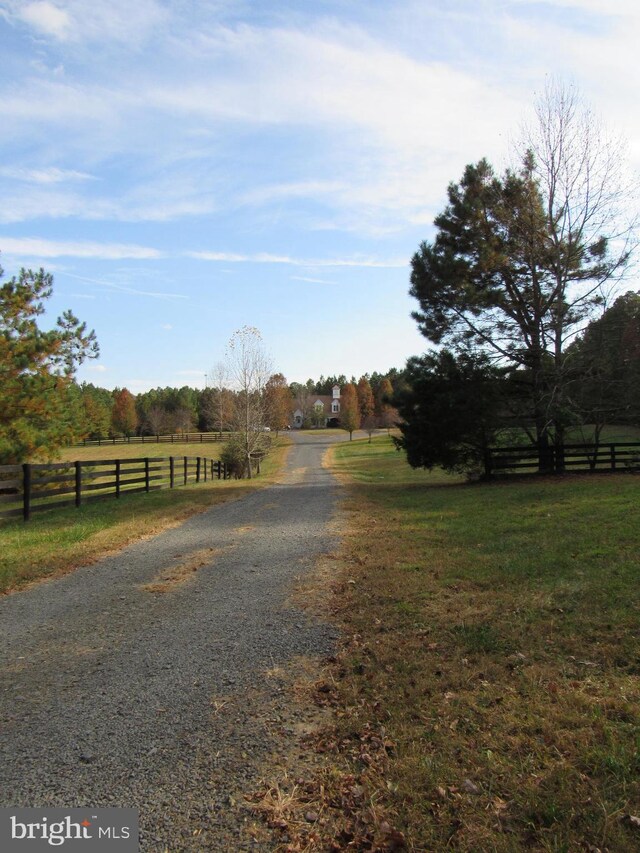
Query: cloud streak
(40, 248)
(266, 258)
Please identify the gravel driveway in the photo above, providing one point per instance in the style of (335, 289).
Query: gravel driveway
(122, 687)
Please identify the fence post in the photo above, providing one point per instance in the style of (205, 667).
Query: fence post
(146, 474)
(171, 472)
(487, 463)
(26, 491)
(197, 469)
(78, 483)
(185, 470)
(117, 478)
(613, 457)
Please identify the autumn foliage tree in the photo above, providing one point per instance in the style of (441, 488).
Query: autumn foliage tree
(41, 410)
(278, 402)
(124, 418)
(366, 402)
(349, 409)
(387, 416)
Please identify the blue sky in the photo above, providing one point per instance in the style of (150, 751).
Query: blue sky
(187, 167)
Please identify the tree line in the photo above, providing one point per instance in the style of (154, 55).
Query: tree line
(45, 408)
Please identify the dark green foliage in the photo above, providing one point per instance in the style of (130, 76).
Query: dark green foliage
(510, 276)
(605, 362)
(234, 457)
(449, 413)
(41, 410)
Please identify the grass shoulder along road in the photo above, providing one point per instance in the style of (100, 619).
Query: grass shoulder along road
(488, 694)
(58, 541)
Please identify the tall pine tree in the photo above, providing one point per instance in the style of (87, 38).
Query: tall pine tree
(41, 410)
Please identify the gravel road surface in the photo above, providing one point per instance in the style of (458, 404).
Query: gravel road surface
(115, 691)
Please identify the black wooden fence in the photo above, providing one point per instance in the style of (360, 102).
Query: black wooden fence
(609, 457)
(29, 488)
(171, 438)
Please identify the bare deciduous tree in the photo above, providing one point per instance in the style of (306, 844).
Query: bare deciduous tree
(249, 369)
(219, 403)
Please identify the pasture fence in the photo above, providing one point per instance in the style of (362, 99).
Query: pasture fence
(603, 457)
(32, 487)
(169, 438)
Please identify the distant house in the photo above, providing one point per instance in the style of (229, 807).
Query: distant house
(322, 410)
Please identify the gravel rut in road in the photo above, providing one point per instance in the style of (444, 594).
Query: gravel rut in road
(113, 692)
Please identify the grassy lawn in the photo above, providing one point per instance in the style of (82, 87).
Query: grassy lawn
(138, 451)
(489, 697)
(609, 433)
(585, 435)
(56, 542)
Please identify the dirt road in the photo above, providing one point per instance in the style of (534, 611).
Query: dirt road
(143, 680)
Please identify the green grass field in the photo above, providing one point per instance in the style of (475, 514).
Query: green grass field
(584, 435)
(57, 541)
(496, 647)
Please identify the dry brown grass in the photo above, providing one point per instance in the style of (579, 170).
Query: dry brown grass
(178, 574)
(486, 695)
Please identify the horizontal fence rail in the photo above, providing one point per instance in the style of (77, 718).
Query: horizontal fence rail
(29, 488)
(171, 438)
(603, 457)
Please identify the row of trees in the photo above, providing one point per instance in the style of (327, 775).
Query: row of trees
(179, 410)
(365, 403)
(519, 265)
(44, 408)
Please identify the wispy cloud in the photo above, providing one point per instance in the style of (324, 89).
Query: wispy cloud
(265, 258)
(37, 247)
(122, 288)
(311, 280)
(51, 175)
(79, 21)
